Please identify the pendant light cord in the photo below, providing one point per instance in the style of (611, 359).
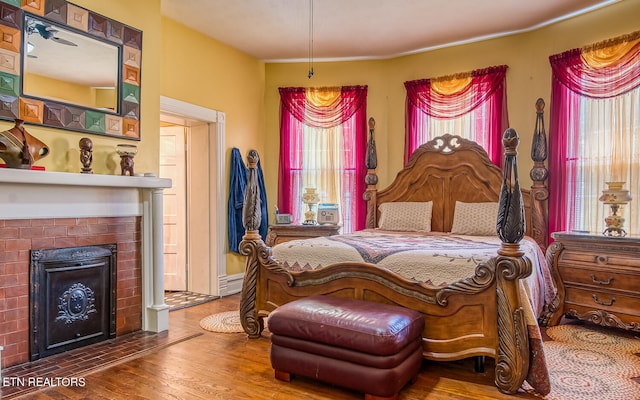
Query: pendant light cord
(310, 74)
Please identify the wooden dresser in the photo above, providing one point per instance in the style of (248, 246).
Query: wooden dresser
(285, 232)
(598, 279)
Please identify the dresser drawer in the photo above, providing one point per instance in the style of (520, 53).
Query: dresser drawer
(600, 278)
(600, 259)
(604, 300)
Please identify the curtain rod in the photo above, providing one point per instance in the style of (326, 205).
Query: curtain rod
(611, 42)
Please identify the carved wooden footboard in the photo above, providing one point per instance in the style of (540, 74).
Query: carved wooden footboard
(478, 316)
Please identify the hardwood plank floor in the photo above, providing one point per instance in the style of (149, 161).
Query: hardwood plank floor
(231, 366)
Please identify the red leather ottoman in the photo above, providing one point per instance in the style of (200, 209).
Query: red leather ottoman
(364, 346)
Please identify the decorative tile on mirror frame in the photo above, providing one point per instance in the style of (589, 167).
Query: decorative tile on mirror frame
(11, 14)
(9, 106)
(77, 17)
(10, 38)
(113, 125)
(9, 84)
(31, 110)
(34, 6)
(9, 62)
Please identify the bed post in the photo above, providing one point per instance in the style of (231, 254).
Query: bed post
(512, 364)
(371, 161)
(539, 174)
(250, 247)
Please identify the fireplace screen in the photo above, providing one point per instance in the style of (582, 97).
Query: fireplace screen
(73, 298)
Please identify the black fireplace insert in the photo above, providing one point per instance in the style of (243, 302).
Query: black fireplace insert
(72, 299)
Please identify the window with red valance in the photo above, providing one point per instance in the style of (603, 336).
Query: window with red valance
(323, 139)
(472, 105)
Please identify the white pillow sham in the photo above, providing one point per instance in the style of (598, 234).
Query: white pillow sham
(478, 219)
(405, 216)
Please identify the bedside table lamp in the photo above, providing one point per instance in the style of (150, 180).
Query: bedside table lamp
(616, 197)
(310, 198)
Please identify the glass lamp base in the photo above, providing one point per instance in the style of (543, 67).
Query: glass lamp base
(615, 232)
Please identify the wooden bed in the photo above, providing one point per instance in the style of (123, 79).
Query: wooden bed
(478, 316)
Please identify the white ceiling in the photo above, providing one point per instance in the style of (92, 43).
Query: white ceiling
(278, 30)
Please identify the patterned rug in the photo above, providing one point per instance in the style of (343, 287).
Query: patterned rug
(224, 322)
(590, 362)
(178, 300)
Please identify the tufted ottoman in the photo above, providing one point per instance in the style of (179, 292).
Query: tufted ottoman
(368, 347)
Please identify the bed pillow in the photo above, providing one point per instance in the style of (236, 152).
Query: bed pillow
(478, 219)
(405, 216)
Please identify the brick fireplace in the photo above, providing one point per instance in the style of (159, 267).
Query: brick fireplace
(47, 210)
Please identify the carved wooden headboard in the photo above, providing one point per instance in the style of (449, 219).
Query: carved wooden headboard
(449, 169)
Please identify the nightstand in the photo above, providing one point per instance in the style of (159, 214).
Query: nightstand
(285, 232)
(598, 279)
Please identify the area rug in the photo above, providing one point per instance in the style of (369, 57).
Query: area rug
(183, 299)
(223, 322)
(589, 362)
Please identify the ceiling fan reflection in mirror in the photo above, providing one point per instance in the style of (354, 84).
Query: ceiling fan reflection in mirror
(46, 31)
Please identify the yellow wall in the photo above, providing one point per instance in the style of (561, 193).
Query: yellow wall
(202, 71)
(68, 92)
(65, 154)
(55, 89)
(528, 78)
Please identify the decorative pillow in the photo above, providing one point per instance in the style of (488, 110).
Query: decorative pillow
(405, 216)
(477, 219)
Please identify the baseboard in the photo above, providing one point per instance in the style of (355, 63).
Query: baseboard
(231, 284)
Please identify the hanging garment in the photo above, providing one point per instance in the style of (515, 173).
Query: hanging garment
(237, 186)
(264, 220)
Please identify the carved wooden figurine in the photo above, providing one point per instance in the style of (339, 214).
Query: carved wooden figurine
(86, 155)
(126, 152)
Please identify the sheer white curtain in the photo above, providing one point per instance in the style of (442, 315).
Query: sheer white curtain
(472, 126)
(322, 163)
(606, 149)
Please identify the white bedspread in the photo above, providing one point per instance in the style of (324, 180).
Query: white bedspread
(435, 258)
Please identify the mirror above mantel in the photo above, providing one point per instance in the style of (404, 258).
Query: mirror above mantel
(68, 67)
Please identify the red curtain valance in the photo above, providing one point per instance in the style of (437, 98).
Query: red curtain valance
(484, 84)
(570, 70)
(294, 100)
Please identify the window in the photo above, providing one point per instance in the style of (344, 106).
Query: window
(471, 105)
(594, 133)
(323, 134)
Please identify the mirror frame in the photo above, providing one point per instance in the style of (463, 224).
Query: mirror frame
(14, 104)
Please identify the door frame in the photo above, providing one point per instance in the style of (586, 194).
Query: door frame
(218, 280)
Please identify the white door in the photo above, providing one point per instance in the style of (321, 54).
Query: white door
(199, 211)
(173, 166)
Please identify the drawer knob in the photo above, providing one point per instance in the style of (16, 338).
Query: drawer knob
(603, 303)
(602, 260)
(599, 282)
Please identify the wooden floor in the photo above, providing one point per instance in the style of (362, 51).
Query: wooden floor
(231, 366)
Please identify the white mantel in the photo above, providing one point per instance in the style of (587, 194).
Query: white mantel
(27, 194)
